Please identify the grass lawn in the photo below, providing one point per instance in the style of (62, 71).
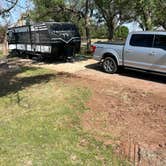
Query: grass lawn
(1, 54)
(40, 125)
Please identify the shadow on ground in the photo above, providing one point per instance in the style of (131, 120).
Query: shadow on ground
(154, 77)
(54, 60)
(77, 58)
(10, 83)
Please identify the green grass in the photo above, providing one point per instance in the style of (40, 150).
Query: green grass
(40, 125)
(1, 54)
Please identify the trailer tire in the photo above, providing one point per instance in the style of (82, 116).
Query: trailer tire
(110, 65)
(15, 53)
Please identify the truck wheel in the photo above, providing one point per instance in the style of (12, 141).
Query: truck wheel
(110, 65)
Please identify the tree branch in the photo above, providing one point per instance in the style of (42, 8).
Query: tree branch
(3, 11)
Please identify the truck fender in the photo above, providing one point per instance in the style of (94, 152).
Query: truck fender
(111, 53)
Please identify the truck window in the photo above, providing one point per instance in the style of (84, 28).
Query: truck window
(142, 40)
(160, 41)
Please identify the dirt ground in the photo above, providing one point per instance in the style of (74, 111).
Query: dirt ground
(127, 110)
(131, 111)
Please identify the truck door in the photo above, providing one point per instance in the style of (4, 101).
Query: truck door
(138, 51)
(159, 54)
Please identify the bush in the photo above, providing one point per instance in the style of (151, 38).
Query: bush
(121, 33)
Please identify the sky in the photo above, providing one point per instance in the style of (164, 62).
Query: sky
(23, 5)
(20, 8)
(133, 26)
(16, 12)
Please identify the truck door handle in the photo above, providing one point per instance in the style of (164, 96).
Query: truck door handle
(128, 51)
(152, 54)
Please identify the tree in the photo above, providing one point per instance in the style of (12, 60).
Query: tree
(99, 31)
(114, 12)
(2, 33)
(8, 5)
(84, 10)
(159, 18)
(3, 39)
(150, 14)
(143, 13)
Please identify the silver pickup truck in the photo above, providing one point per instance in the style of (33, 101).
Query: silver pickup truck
(142, 50)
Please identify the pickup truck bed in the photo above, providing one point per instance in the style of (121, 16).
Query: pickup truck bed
(112, 43)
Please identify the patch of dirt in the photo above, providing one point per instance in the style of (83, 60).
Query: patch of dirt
(67, 67)
(129, 113)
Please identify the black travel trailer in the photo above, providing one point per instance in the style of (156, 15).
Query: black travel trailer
(55, 39)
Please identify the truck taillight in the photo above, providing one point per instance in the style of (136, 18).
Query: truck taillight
(93, 49)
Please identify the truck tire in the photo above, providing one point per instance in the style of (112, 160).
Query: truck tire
(110, 65)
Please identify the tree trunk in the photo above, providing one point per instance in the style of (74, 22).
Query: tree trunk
(147, 20)
(5, 46)
(148, 25)
(111, 29)
(164, 26)
(87, 30)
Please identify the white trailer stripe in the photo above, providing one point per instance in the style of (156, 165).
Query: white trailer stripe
(12, 46)
(28, 47)
(21, 46)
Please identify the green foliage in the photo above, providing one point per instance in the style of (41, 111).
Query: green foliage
(99, 31)
(148, 13)
(1, 54)
(159, 13)
(46, 10)
(113, 13)
(121, 33)
(143, 13)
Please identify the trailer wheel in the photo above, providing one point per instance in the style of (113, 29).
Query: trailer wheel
(15, 53)
(29, 56)
(110, 65)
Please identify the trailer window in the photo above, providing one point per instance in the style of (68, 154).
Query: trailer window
(160, 41)
(142, 40)
(63, 27)
(68, 27)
